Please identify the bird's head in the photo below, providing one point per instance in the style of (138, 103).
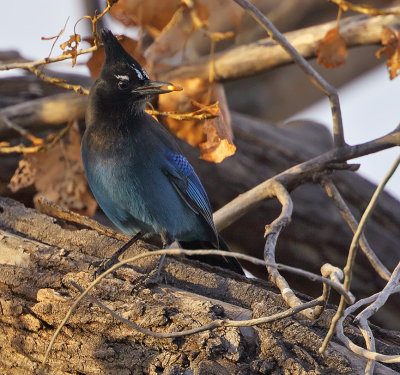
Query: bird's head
(123, 80)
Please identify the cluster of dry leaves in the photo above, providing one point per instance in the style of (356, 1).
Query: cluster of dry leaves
(332, 51)
(174, 28)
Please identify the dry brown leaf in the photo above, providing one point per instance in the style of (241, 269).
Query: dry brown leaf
(213, 137)
(173, 23)
(331, 51)
(57, 174)
(153, 13)
(97, 59)
(72, 47)
(391, 51)
(24, 176)
(173, 38)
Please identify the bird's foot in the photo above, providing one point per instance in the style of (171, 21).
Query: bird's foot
(104, 265)
(107, 263)
(154, 277)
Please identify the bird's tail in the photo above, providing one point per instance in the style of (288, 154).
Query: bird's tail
(229, 263)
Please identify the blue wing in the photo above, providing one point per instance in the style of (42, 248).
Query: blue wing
(185, 181)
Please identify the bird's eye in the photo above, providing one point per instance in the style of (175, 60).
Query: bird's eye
(123, 85)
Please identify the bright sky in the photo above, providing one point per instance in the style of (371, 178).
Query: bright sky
(369, 104)
(370, 109)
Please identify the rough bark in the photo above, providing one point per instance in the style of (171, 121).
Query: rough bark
(41, 255)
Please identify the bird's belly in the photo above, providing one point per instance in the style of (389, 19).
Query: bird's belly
(141, 198)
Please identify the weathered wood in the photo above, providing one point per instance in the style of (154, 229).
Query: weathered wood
(39, 256)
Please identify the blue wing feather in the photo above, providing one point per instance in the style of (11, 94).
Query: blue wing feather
(185, 181)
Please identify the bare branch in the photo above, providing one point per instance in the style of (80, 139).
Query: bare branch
(344, 210)
(58, 81)
(358, 349)
(271, 234)
(32, 64)
(370, 343)
(309, 71)
(300, 173)
(348, 269)
(19, 129)
(388, 290)
(42, 145)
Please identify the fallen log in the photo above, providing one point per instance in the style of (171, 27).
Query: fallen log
(40, 257)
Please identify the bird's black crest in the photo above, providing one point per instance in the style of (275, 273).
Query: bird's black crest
(116, 55)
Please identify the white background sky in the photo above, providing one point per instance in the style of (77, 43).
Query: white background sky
(370, 104)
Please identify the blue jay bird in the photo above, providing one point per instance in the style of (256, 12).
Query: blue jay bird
(134, 166)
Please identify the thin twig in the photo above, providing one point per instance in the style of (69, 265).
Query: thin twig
(39, 147)
(254, 260)
(31, 64)
(363, 316)
(65, 56)
(196, 115)
(358, 349)
(370, 343)
(311, 73)
(336, 275)
(347, 215)
(386, 292)
(58, 81)
(306, 171)
(20, 130)
(348, 269)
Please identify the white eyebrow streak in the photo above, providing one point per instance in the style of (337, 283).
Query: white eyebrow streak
(123, 78)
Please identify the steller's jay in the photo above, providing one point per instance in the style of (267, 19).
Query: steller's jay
(135, 168)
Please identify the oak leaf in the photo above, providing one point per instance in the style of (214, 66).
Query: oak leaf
(331, 51)
(391, 51)
(145, 13)
(212, 136)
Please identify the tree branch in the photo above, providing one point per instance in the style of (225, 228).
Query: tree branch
(344, 210)
(309, 71)
(348, 269)
(300, 173)
(248, 60)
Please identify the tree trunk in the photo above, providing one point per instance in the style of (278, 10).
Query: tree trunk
(40, 256)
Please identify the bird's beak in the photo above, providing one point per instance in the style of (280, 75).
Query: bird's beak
(156, 87)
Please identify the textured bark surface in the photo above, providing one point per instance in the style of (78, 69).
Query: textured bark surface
(39, 256)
